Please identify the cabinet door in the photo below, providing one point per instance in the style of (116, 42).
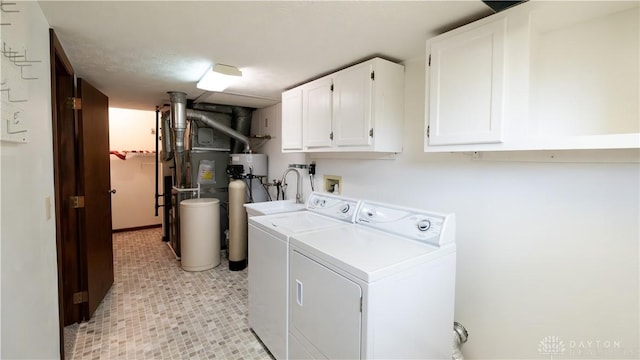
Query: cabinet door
(352, 96)
(466, 86)
(317, 104)
(292, 119)
(325, 308)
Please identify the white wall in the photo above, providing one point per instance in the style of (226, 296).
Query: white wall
(267, 122)
(134, 178)
(545, 248)
(29, 287)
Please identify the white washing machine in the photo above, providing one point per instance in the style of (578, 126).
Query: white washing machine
(269, 262)
(383, 288)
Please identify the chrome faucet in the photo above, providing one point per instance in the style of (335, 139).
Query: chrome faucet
(299, 183)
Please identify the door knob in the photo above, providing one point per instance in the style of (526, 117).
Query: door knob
(113, 191)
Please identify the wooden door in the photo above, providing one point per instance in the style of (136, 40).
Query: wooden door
(66, 185)
(95, 183)
(81, 169)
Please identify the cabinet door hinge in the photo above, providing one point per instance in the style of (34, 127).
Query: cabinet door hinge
(371, 132)
(74, 103)
(429, 59)
(428, 130)
(80, 297)
(373, 75)
(331, 136)
(76, 202)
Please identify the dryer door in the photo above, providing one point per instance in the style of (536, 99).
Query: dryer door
(325, 308)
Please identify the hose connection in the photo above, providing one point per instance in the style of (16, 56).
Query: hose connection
(460, 336)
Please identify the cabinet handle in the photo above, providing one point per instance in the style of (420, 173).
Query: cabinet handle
(371, 132)
(331, 136)
(298, 292)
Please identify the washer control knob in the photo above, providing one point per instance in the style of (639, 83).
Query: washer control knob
(371, 212)
(323, 203)
(316, 201)
(424, 225)
(345, 208)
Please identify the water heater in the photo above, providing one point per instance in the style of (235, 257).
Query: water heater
(255, 164)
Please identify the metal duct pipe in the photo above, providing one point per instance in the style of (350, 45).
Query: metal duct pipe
(241, 123)
(206, 118)
(179, 125)
(224, 109)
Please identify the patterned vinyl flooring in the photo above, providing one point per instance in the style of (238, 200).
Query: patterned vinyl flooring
(155, 310)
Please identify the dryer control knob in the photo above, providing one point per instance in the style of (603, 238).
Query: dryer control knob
(371, 212)
(424, 225)
(345, 208)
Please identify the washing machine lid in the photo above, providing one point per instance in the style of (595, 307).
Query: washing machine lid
(366, 253)
(285, 225)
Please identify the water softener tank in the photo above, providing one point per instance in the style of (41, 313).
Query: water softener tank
(237, 226)
(199, 234)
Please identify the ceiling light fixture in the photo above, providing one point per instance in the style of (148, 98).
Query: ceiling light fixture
(218, 77)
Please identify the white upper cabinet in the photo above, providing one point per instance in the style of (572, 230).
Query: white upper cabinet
(352, 106)
(467, 68)
(539, 76)
(357, 109)
(317, 100)
(292, 120)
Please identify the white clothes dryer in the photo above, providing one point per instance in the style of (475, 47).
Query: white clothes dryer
(383, 288)
(269, 262)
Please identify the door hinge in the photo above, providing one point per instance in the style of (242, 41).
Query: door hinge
(74, 103)
(331, 136)
(80, 297)
(371, 132)
(373, 75)
(429, 59)
(76, 202)
(428, 130)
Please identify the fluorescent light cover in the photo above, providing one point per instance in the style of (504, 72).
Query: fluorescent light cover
(219, 77)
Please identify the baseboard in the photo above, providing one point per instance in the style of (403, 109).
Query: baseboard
(137, 228)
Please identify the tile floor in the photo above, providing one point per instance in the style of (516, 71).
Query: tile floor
(155, 310)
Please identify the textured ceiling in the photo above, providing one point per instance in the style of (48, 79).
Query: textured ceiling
(137, 51)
